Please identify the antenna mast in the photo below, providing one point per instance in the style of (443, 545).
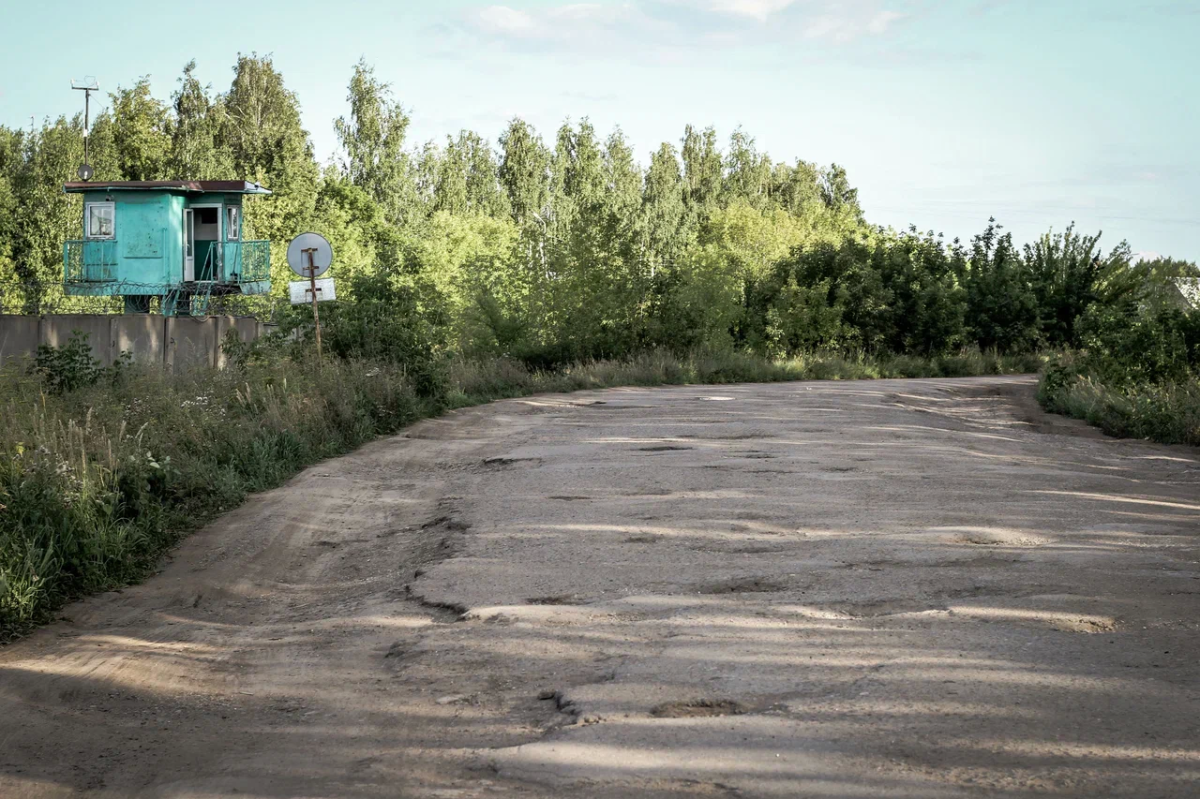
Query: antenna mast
(87, 86)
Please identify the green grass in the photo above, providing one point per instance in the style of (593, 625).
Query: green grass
(96, 483)
(1166, 412)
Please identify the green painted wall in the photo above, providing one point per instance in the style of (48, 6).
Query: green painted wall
(149, 235)
(144, 251)
(174, 265)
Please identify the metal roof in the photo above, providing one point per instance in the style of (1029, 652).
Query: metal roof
(184, 186)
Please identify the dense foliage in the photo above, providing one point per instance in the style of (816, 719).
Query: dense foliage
(1137, 372)
(560, 250)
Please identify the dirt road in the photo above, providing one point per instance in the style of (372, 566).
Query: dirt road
(888, 589)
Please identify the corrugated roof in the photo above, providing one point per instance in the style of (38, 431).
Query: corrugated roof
(185, 186)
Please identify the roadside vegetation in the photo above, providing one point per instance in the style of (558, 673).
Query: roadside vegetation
(468, 272)
(1137, 370)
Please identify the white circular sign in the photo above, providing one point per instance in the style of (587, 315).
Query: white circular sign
(306, 249)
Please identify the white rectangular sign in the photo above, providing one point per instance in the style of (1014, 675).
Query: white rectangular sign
(301, 291)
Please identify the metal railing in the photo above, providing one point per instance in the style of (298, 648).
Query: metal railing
(90, 261)
(246, 261)
(34, 299)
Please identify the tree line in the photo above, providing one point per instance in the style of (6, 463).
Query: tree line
(568, 247)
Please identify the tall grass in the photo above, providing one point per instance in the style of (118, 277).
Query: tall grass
(472, 382)
(97, 482)
(1164, 411)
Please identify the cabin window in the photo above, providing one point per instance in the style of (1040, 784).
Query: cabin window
(101, 221)
(233, 230)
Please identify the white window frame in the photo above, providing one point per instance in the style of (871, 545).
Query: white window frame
(233, 223)
(87, 221)
(220, 239)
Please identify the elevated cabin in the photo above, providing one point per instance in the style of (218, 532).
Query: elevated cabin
(178, 240)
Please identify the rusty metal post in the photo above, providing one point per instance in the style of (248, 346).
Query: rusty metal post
(312, 282)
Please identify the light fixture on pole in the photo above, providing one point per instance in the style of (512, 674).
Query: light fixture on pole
(87, 86)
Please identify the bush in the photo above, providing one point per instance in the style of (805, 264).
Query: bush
(72, 365)
(1139, 376)
(97, 481)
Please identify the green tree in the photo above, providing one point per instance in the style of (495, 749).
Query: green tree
(702, 169)
(1002, 310)
(1069, 274)
(797, 189)
(747, 171)
(195, 153)
(142, 132)
(467, 180)
(11, 161)
(268, 145)
(667, 232)
(373, 139)
(524, 172)
(45, 216)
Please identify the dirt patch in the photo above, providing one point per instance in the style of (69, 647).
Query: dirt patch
(697, 708)
(557, 599)
(502, 462)
(746, 585)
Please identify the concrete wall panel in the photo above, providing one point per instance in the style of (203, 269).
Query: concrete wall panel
(177, 343)
(142, 335)
(247, 329)
(190, 343)
(56, 330)
(18, 337)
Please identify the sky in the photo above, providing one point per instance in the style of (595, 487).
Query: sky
(944, 112)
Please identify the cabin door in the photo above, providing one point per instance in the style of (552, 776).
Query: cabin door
(189, 245)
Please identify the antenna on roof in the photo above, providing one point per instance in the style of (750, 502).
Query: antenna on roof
(87, 86)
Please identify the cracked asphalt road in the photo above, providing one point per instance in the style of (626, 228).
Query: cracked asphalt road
(921, 588)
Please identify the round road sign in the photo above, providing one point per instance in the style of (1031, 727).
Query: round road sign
(309, 248)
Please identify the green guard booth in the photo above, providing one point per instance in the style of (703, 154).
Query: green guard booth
(178, 240)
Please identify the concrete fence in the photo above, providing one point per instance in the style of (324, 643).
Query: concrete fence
(176, 343)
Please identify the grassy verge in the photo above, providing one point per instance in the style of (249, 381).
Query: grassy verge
(473, 382)
(1166, 412)
(97, 482)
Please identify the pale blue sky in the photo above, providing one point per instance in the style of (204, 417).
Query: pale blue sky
(943, 111)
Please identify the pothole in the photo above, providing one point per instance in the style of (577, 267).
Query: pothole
(746, 585)
(992, 537)
(697, 708)
(505, 462)
(557, 599)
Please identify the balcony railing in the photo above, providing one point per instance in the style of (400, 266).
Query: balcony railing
(90, 261)
(246, 261)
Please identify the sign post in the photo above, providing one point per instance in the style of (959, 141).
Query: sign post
(312, 281)
(310, 256)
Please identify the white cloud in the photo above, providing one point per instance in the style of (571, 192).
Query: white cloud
(676, 26)
(883, 20)
(564, 24)
(505, 20)
(846, 21)
(755, 9)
